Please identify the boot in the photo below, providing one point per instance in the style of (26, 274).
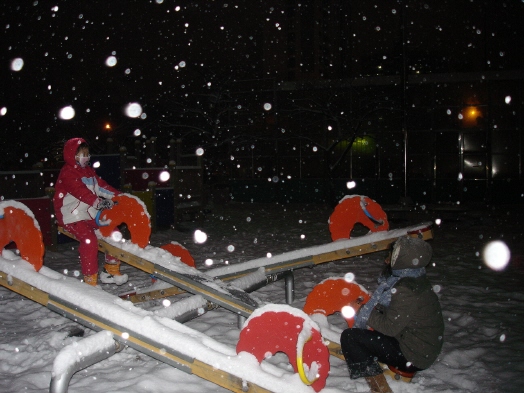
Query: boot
(363, 369)
(92, 279)
(112, 275)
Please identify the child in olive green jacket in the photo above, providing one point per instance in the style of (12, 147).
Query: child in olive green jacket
(404, 314)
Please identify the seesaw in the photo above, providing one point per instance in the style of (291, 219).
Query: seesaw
(159, 261)
(188, 278)
(351, 210)
(159, 337)
(331, 295)
(163, 338)
(211, 284)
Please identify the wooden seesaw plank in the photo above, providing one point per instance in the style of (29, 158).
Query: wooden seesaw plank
(312, 256)
(127, 335)
(316, 256)
(153, 294)
(197, 283)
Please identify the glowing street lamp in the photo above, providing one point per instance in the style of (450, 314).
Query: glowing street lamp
(470, 116)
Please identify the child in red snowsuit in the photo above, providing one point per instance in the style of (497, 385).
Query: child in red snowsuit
(80, 194)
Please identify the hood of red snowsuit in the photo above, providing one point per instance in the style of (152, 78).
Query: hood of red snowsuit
(70, 148)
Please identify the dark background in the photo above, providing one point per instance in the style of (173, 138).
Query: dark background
(64, 51)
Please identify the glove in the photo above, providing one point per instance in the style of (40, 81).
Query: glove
(104, 204)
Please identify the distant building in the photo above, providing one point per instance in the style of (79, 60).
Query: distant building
(404, 100)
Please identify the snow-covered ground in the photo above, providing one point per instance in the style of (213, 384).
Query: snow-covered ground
(484, 340)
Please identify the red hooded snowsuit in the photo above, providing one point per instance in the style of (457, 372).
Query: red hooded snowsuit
(77, 193)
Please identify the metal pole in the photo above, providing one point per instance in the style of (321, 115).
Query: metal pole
(290, 287)
(240, 321)
(403, 102)
(80, 355)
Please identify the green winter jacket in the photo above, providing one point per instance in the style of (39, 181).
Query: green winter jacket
(414, 318)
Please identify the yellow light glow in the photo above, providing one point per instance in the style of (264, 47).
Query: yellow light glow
(470, 116)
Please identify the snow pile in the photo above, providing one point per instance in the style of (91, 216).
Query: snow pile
(483, 341)
(181, 307)
(78, 351)
(250, 280)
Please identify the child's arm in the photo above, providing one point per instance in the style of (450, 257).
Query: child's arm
(106, 186)
(74, 185)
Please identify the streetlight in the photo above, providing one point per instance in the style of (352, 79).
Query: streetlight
(470, 116)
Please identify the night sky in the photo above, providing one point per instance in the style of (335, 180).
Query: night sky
(163, 49)
(168, 49)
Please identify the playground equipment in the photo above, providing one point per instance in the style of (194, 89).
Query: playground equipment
(354, 209)
(180, 251)
(130, 210)
(307, 351)
(297, 337)
(18, 224)
(332, 295)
